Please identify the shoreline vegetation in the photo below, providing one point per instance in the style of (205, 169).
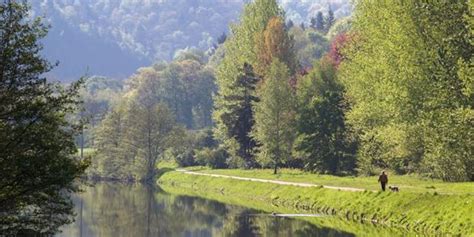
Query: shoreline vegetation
(429, 212)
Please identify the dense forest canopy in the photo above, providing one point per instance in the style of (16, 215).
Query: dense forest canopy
(410, 87)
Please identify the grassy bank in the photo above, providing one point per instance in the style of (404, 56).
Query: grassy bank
(414, 211)
(406, 183)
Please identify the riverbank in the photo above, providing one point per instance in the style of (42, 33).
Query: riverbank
(429, 213)
(406, 183)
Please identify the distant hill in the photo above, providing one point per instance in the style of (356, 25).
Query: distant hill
(115, 37)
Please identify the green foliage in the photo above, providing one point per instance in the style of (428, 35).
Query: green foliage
(342, 25)
(318, 22)
(187, 144)
(184, 85)
(324, 141)
(329, 20)
(275, 117)
(253, 44)
(144, 124)
(37, 163)
(409, 88)
(98, 96)
(132, 137)
(214, 158)
(236, 118)
(309, 45)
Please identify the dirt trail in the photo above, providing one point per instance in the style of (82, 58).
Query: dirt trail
(307, 185)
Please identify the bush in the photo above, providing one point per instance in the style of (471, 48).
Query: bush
(214, 158)
(185, 159)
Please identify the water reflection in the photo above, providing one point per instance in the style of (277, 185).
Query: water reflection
(136, 210)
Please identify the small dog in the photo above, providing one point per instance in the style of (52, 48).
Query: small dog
(393, 188)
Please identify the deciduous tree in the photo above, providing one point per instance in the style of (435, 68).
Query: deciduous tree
(275, 117)
(407, 84)
(37, 162)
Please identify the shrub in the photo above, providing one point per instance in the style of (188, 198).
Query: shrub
(214, 158)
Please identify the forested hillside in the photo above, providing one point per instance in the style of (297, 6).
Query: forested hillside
(113, 38)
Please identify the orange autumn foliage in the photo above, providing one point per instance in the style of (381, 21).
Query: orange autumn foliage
(274, 43)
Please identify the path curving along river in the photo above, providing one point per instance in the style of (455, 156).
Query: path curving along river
(272, 181)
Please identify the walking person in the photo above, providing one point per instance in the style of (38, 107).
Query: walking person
(383, 179)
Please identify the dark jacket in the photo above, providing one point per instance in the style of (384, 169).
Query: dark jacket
(383, 178)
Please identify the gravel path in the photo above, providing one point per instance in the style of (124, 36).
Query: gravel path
(307, 185)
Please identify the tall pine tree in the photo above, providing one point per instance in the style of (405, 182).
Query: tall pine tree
(329, 19)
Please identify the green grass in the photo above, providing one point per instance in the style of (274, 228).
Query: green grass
(425, 213)
(406, 183)
(167, 164)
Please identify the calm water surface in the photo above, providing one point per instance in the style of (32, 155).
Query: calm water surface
(112, 209)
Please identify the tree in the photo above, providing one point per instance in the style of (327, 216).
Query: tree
(240, 49)
(98, 95)
(111, 159)
(313, 22)
(302, 26)
(150, 125)
(275, 43)
(318, 23)
(309, 46)
(144, 125)
(342, 25)
(324, 140)
(185, 85)
(222, 38)
(407, 87)
(37, 162)
(335, 53)
(131, 139)
(239, 116)
(329, 21)
(275, 117)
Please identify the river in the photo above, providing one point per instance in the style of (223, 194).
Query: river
(114, 209)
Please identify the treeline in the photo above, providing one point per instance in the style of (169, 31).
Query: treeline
(349, 97)
(128, 141)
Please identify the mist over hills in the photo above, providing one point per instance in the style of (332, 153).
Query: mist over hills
(115, 37)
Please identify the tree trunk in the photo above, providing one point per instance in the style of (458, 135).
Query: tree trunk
(275, 170)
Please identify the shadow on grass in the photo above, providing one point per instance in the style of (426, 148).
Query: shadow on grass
(197, 168)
